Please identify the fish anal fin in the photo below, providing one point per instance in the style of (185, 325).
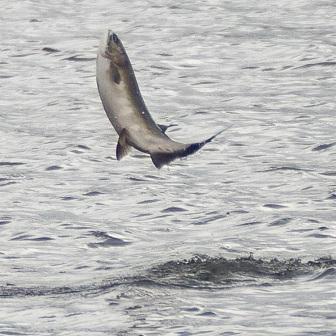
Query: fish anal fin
(161, 159)
(123, 147)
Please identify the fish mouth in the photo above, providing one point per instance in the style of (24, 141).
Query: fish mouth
(112, 38)
(111, 45)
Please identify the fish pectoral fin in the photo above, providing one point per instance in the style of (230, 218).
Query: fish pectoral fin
(123, 147)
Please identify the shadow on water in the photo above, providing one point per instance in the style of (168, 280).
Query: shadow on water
(199, 272)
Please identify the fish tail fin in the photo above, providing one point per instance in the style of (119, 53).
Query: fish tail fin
(161, 159)
(214, 136)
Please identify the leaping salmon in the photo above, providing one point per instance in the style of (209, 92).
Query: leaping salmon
(126, 109)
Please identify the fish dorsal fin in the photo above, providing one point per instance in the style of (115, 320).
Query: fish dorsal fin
(165, 127)
(123, 147)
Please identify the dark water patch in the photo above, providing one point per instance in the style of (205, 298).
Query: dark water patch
(11, 333)
(250, 67)
(22, 237)
(329, 173)
(5, 163)
(319, 64)
(301, 230)
(252, 156)
(148, 201)
(323, 228)
(31, 238)
(41, 239)
(95, 160)
(205, 82)
(274, 206)
(76, 151)
(206, 272)
(69, 198)
(134, 307)
(332, 196)
(281, 221)
(207, 220)
(237, 212)
(93, 193)
(77, 58)
(7, 183)
(303, 117)
(190, 309)
(108, 240)
(162, 216)
(310, 105)
(23, 55)
(237, 144)
(285, 168)
(83, 147)
(174, 209)
(112, 241)
(165, 54)
(50, 50)
(207, 314)
(250, 223)
(188, 66)
(286, 67)
(320, 235)
(142, 215)
(50, 168)
(323, 146)
(99, 234)
(136, 179)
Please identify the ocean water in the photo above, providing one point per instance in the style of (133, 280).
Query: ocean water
(238, 239)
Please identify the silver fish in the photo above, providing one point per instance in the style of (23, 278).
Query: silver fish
(126, 109)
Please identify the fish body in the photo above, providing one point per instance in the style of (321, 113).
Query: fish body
(126, 109)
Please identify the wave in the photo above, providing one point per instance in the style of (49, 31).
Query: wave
(199, 272)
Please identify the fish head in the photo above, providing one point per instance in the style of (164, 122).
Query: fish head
(113, 49)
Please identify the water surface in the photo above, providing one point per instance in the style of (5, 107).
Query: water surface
(238, 239)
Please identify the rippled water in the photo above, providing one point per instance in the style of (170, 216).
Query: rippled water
(238, 239)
